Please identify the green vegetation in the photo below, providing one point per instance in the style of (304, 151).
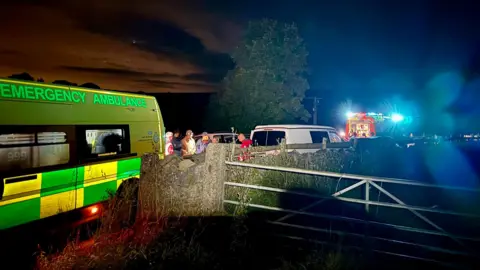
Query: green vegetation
(324, 160)
(239, 239)
(190, 244)
(220, 242)
(268, 82)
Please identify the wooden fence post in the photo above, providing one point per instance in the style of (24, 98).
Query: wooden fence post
(324, 143)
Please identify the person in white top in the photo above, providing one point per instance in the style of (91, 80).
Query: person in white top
(188, 144)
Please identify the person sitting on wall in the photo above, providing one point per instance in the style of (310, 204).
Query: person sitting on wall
(203, 144)
(188, 144)
(177, 143)
(216, 139)
(168, 144)
(199, 141)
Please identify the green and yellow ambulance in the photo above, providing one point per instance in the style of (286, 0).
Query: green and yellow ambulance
(67, 148)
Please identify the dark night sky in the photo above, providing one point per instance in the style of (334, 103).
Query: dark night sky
(411, 51)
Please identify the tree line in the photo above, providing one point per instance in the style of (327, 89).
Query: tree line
(27, 77)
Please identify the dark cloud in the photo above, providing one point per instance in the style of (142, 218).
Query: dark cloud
(211, 77)
(10, 52)
(118, 71)
(207, 78)
(174, 85)
(158, 83)
(164, 39)
(180, 30)
(115, 44)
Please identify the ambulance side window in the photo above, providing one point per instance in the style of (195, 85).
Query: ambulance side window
(33, 147)
(100, 141)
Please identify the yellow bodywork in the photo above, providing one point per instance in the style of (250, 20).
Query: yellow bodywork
(49, 190)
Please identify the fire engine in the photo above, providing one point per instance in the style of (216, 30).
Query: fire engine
(364, 125)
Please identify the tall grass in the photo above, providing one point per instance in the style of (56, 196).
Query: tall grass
(323, 160)
(226, 242)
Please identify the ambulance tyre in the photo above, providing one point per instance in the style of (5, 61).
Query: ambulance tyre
(127, 202)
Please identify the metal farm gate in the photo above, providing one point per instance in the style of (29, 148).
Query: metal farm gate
(391, 217)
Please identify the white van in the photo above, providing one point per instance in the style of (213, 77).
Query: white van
(270, 135)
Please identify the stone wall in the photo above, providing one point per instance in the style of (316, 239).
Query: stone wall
(176, 187)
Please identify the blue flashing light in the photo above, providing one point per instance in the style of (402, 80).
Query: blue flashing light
(397, 117)
(350, 114)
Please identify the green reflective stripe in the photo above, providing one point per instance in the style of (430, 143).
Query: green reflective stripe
(19, 213)
(125, 169)
(58, 181)
(128, 168)
(62, 181)
(97, 193)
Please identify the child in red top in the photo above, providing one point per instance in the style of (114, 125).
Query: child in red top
(245, 144)
(168, 144)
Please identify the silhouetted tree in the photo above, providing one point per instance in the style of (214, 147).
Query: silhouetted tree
(64, 82)
(40, 80)
(268, 82)
(22, 76)
(90, 85)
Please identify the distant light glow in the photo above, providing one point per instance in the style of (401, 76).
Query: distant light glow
(342, 133)
(397, 117)
(350, 114)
